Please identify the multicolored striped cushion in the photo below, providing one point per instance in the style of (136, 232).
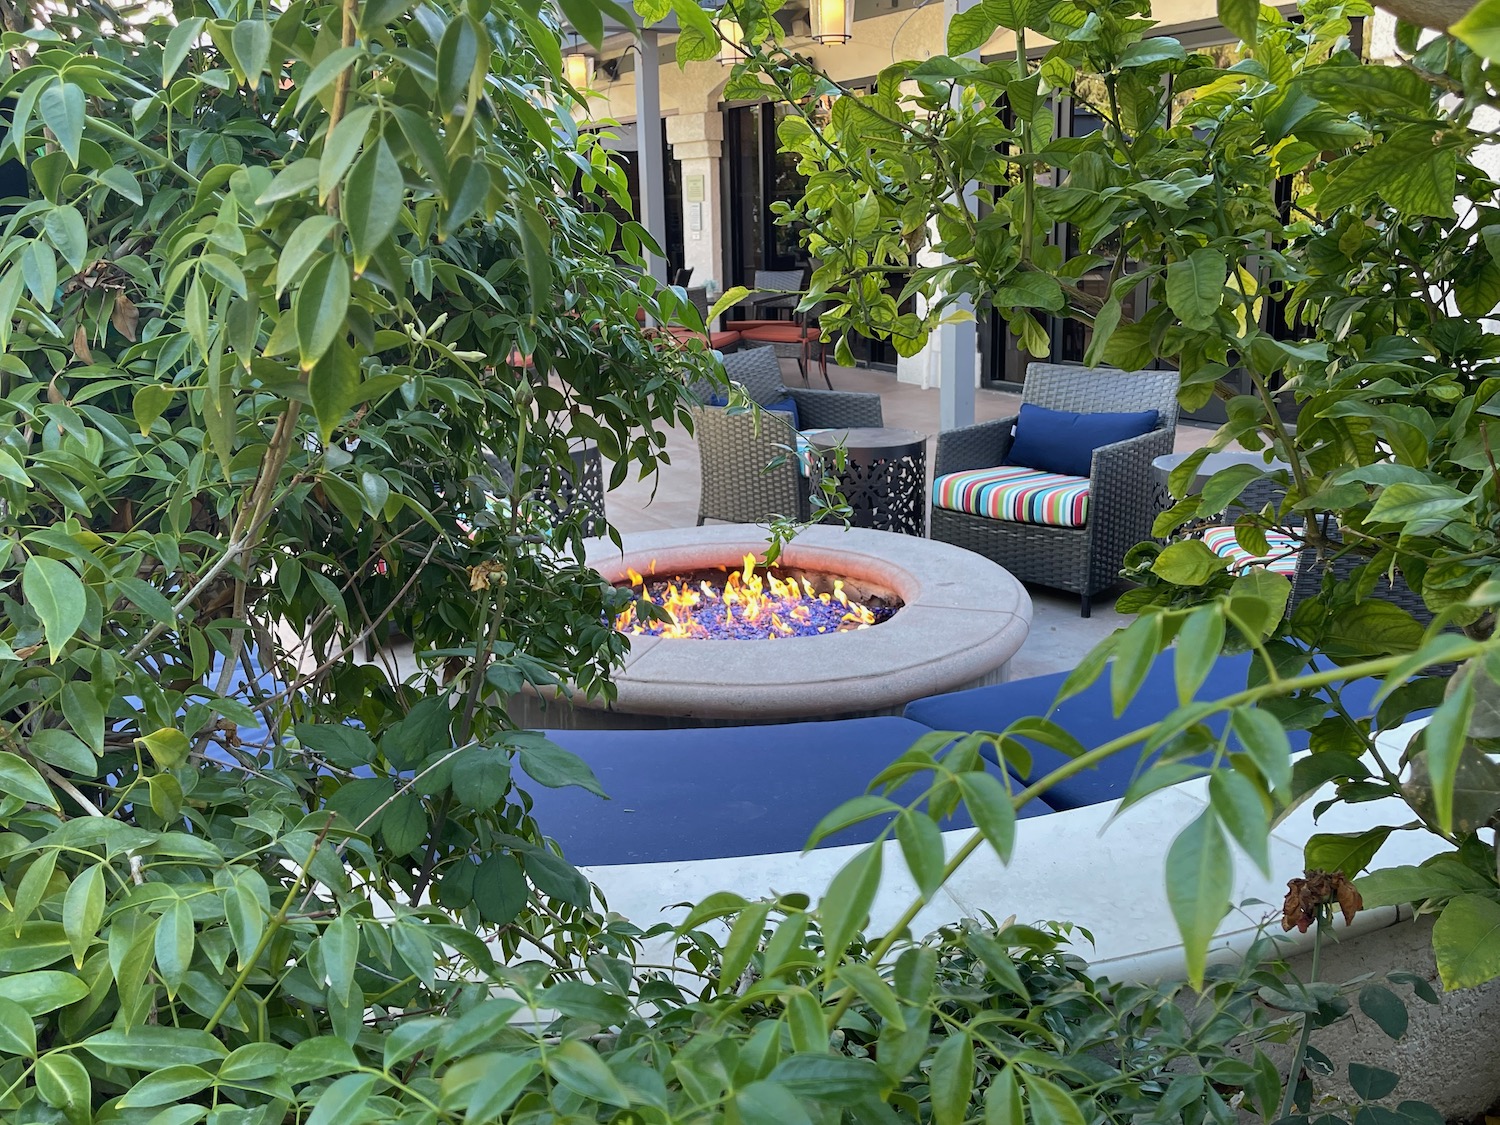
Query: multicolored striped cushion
(1281, 560)
(1009, 492)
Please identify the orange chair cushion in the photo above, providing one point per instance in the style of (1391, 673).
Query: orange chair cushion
(781, 333)
(717, 340)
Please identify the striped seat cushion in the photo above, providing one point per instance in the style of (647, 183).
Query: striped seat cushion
(1281, 560)
(1015, 494)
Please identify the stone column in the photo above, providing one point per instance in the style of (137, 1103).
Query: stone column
(697, 141)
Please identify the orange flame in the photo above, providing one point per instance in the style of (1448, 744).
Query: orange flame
(777, 607)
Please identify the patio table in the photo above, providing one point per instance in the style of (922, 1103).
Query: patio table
(884, 478)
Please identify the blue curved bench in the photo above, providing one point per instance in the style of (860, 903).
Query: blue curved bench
(1089, 716)
(716, 792)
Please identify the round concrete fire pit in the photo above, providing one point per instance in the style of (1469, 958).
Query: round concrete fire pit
(962, 619)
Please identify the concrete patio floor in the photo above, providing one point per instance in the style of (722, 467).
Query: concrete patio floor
(1059, 636)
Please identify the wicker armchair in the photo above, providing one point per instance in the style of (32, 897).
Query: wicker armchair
(1122, 500)
(748, 459)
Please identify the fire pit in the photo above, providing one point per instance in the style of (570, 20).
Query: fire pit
(750, 603)
(953, 620)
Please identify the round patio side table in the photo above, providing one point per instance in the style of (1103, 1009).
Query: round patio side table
(884, 478)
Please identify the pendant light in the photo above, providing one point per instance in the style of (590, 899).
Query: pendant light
(832, 21)
(578, 69)
(731, 35)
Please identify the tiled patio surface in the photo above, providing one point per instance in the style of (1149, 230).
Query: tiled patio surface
(1059, 637)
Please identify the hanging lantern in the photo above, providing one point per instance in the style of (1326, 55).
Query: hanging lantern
(578, 68)
(832, 20)
(731, 35)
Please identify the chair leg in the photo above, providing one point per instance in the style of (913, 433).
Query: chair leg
(1087, 604)
(823, 364)
(802, 367)
(700, 519)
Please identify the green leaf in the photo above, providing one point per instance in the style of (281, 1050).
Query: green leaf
(341, 148)
(83, 910)
(873, 989)
(66, 231)
(1385, 1008)
(501, 1078)
(343, 1101)
(1050, 1103)
(952, 1080)
(43, 991)
(63, 1082)
(371, 201)
(847, 901)
(334, 387)
(557, 878)
(1408, 171)
(1416, 503)
(481, 778)
(971, 29)
(19, 779)
(499, 889)
(404, 826)
(150, 402)
(1480, 28)
(1199, 875)
(548, 764)
(63, 111)
(167, 1087)
(922, 847)
(147, 1047)
(458, 55)
(320, 308)
(1199, 643)
(180, 40)
(339, 947)
(56, 595)
(1002, 1101)
(1245, 812)
(578, 1067)
(1188, 562)
(168, 747)
(251, 42)
(1466, 942)
(991, 808)
(473, 180)
(323, 75)
(1242, 17)
(17, 1032)
(853, 811)
(769, 1103)
(63, 749)
(535, 244)
(1444, 741)
(1134, 653)
(1349, 852)
(1195, 287)
(1372, 1083)
(1265, 740)
(305, 241)
(174, 944)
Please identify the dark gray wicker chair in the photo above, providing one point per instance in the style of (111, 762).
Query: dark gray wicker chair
(1122, 497)
(747, 459)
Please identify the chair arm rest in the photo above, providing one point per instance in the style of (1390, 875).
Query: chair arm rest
(973, 447)
(827, 410)
(1124, 491)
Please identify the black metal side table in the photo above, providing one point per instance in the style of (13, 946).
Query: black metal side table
(579, 490)
(884, 478)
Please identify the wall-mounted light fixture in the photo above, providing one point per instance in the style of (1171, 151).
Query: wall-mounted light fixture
(578, 69)
(731, 35)
(832, 20)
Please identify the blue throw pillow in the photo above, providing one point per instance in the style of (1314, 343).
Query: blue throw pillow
(786, 405)
(1059, 441)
